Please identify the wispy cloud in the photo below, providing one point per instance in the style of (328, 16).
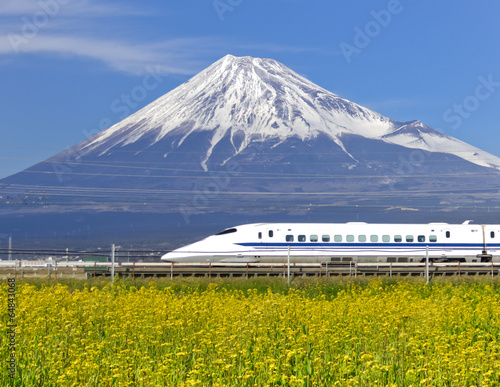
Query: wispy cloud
(76, 28)
(172, 56)
(64, 7)
(16, 7)
(91, 30)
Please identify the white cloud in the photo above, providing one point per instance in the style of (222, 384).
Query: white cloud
(76, 27)
(63, 7)
(91, 30)
(172, 56)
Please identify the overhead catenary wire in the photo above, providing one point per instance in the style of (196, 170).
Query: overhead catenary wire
(149, 164)
(77, 191)
(94, 196)
(267, 175)
(256, 146)
(180, 197)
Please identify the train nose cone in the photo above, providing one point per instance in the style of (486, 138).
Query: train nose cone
(172, 257)
(185, 257)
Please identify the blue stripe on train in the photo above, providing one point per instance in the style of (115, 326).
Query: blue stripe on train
(372, 245)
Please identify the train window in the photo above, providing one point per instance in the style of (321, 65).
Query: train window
(447, 234)
(398, 238)
(337, 238)
(271, 233)
(433, 238)
(386, 238)
(313, 238)
(260, 235)
(421, 238)
(325, 238)
(492, 234)
(373, 238)
(289, 238)
(228, 231)
(349, 238)
(409, 238)
(302, 238)
(362, 238)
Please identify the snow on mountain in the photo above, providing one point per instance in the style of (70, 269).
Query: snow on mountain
(419, 136)
(252, 99)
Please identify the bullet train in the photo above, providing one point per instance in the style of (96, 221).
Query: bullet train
(345, 242)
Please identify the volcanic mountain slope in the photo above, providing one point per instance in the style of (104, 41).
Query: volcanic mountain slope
(242, 100)
(253, 125)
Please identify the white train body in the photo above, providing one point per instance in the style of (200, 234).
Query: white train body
(345, 242)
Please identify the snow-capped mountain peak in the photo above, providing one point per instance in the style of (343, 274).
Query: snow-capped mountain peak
(253, 98)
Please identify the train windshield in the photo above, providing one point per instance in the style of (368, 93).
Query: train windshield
(228, 231)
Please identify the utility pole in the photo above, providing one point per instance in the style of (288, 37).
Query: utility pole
(427, 265)
(288, 276)
(112, 263)
(10, 248)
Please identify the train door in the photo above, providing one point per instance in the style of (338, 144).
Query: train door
(492, 238)
(447, 240)
(270, 235)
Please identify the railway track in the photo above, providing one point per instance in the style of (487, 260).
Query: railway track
(214, 270)
(306, 270)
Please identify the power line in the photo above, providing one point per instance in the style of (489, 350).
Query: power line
(268, 175)
(90, 162)
(252, 146)
(95, 191)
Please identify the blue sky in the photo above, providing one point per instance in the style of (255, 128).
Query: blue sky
(67, 65)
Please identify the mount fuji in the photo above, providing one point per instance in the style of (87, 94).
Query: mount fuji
(249, 135)
(245, 100)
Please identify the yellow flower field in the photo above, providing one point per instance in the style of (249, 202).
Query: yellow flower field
(368, 334)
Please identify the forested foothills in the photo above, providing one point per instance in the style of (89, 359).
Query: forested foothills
(256, 332)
